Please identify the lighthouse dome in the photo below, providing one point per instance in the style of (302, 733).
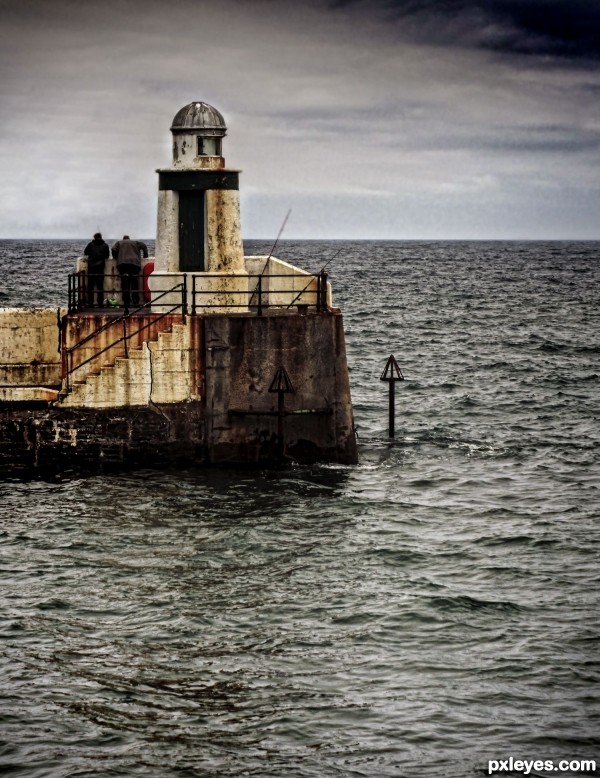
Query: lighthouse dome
(199, 118)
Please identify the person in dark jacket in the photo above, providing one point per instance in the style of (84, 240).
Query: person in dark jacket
(128, 254)
(97, 252)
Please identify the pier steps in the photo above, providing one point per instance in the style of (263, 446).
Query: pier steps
(92, 342)
(160, 371)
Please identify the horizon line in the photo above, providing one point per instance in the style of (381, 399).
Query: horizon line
(355, 240)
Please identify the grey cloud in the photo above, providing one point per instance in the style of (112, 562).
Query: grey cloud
(566, 140)
(367, 119)
(569, 29)
(364, 121)
(550, 140)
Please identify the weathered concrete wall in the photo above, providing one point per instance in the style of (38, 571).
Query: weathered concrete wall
(167, 232)
(62, 441)
(284, 284)
(29, 347)
(242, 356)
(224, 233)
(185, 157)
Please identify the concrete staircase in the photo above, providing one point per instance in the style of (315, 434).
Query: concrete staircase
(160, 371)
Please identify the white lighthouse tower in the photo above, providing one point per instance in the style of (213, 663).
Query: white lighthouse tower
(198, 228)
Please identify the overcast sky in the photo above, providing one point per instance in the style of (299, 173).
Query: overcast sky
(379, 119)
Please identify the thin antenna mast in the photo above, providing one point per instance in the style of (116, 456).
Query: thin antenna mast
(287, 216)
(279, 234)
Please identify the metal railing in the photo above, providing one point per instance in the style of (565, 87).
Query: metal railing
(119, 322)
(208, 292)
(83, 294)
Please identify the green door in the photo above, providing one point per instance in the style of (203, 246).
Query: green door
(191, 231)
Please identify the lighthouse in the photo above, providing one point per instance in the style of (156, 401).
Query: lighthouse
(198, 221)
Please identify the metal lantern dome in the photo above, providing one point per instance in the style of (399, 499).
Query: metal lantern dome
(200, 119)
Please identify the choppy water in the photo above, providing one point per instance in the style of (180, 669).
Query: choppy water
(431, 609)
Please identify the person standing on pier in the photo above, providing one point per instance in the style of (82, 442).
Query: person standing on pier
(97, 252)
(128, 254)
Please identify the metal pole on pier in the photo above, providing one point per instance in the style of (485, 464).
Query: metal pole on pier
(391, 374)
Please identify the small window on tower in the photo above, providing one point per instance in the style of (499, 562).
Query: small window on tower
(209, 147)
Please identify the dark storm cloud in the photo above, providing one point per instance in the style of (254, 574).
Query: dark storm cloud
(566, 29)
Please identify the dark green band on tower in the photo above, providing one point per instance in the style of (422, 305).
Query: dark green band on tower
(197, 180)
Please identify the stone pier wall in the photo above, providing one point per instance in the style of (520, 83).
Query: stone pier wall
(30, 347)
(61, 442)
(243, 355)
(203, 398)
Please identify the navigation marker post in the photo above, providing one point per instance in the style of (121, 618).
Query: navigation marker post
(281, 385)
(391, 374)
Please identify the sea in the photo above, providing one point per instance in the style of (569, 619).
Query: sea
(431, 612)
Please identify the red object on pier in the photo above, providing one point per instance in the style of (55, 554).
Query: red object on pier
(148, 268)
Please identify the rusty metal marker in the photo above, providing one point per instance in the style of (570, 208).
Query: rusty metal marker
(281, 385)
(391, 374)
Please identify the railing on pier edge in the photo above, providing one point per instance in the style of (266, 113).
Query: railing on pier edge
(254, 302)
(262, 289)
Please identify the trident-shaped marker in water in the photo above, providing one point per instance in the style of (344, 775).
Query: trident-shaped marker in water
(391, 374)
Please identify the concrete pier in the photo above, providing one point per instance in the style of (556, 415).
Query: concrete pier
(232, 359)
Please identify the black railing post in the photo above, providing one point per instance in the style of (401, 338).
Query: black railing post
(323, 290)
(184, 297)
(74, 292)
(193, 295)
(259, 311)
(125, 338)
